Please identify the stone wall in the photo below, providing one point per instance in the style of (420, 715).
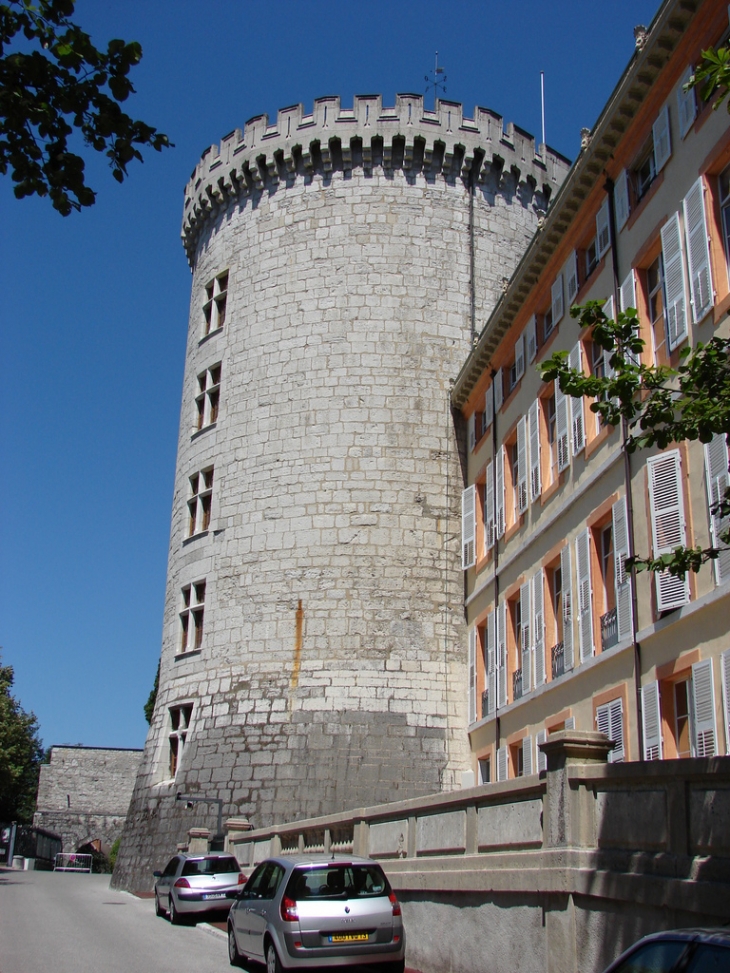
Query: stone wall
(556, 873)
(363, 248)
(84, 793)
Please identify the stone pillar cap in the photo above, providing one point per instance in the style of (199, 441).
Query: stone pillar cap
(576, 746)
(199, 833)
(238, 824)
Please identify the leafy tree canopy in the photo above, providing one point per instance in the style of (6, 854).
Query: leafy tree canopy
(712, 76)
(658, 404)
(55, 83)
(21, 754)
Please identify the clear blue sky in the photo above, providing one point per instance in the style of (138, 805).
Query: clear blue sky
(94, 307)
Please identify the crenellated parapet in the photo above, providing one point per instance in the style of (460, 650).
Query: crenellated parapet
(438, 144)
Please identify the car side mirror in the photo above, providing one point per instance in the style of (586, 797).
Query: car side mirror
(157, 874)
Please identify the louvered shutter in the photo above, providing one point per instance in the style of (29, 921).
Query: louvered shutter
(489, 508)
(609, 720)
(703, 709)
(666, 506)
(531, 333)
(538, 625)
(570, 723)
(725, 664)
(468, 526)
(561, 429)
(498, 390)
(662, 139)
(526, 636)
(472, 675)
(522, 496)
(577, 418)
(520, 357)
(621, 200)
(651, 716)
(491, 663)
(603, 235)
(698, 251)
(571, 277)
(527, 761)
(502, 654)
(585, 604)
(676, 309)
(627, 297)
(566, 575)
(716, 471)
(499, 520)
(502, 764)
(608, 309)
(541, 758)
(535, 473)
(471, 426)
(556, 292)
(488, 408)
(686, 104)
(622, 578)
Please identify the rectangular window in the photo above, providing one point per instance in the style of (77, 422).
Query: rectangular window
(201, 493)
(655, 155)
(485, 770)
(191, 616)
(656, 302)
(180, 717)
(214, 309)
(208, 398)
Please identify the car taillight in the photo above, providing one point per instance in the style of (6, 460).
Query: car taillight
(395, 903)
(182, 883)
(289, 910)
(241, 878)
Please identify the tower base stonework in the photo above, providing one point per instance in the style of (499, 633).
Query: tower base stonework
(314, 654)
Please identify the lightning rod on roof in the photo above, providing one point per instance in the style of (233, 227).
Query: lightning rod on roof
(437, 80)
(542, 100)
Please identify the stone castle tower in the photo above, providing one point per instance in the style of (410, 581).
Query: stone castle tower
(313, 654)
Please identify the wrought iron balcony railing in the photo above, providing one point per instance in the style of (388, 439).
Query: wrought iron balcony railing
(517, 684)
(557, 656)
(609, 629)
(485, 703)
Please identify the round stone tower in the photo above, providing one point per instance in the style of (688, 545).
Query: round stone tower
(313, 654)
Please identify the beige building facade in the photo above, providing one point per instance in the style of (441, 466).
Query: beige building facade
(560, 634)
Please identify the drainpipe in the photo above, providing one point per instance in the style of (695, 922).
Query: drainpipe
(609, 187)
(496, 571)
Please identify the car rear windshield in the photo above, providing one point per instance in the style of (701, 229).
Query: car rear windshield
(210, 866)
(348, 881)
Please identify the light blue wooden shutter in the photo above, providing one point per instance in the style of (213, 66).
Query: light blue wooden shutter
(609, 720)
(566, 574)
(499, 518)
(585, 600)
(622, 577)
(621, 199)
(520, 357)
(603, 236)
(488, 408)
(498, 390)
(627, 297)
(502, 654)
(716, 470)
(491, 663)
(541, 758)
(676, 309)
(527, 761)
(468, 527)
(502, 764)
(571, 277)
(535, 472)
(531, 332)
(666, 507)
(652, 721)
(489, 508)
(698, 251)
(575, 361)
(561, 429)
(703, 709)
(662, 139)
(556, 293)
(526, 636)
(538, 625)
(522, 495)
(471, 427)
(686, 104)
(472, 675)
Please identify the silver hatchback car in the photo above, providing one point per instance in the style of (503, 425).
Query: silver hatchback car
(310, 912)
(196, 884)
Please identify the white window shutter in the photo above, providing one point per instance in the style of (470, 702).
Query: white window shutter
(627, 297)
(716, 471)
(522, 495)
(662, 139)
(585, 603)
(535, 472)
(577, 418)
(603, 235)
(531, 332)
(571, 277)
(686, 104)
(489, 508)
(703, 699)
(499, 516)
(566, 573)
(491, 663)
(472, 675)
(651, 715)
(556, 292)
(621, 200)
(520, 357)
(526, 636)
(608, 309)
(676, 309)
(725, 664)
(498, 390)
(502, 654)
(502, 763)
(488, 408)
(622, 578)
(570, 723)
(698, 251)
(538, 625)
(468, 527)
(609, 720)
(666, 506)
(561, 429)
(527, 761)
(471, 428)
(541, 758)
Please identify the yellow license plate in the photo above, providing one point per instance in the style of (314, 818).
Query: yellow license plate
(349, 937)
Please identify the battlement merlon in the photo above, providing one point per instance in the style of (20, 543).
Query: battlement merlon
(406, 136)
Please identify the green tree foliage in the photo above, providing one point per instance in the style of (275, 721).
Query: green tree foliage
(54, 83)
(149, 706)
(21, 754)
(659, 405)
(712, 76)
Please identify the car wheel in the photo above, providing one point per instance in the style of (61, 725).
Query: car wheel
(159, 911)
(175, 917)
(234, 956)
(273, 964)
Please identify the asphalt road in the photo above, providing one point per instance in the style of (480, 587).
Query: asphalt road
(76, 924)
